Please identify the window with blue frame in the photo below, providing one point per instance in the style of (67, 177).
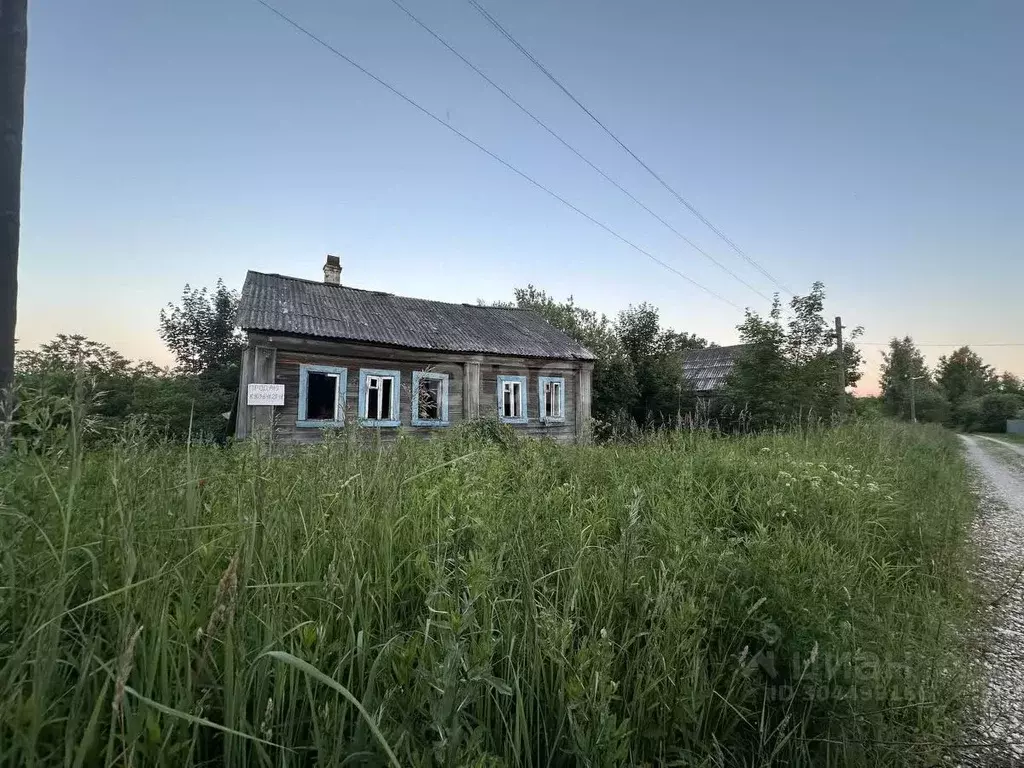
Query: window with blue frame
(429, 399)
(512, 399)
(379, 397)
(321, 396)
(551, 391)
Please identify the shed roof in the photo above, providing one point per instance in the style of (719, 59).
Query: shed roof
(707, 370)
(281, 304)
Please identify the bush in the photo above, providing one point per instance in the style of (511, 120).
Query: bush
(966, 414)
(995, 410)
(687, 600)
(931, 405)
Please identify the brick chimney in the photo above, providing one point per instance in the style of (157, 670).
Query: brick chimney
(332, 270)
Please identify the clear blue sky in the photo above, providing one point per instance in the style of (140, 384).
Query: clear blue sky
(876, 146)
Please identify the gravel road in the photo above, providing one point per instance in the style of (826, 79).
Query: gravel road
(999, 534)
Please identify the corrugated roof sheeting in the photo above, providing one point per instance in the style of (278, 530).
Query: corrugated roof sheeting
(281, 304)
(706, 370)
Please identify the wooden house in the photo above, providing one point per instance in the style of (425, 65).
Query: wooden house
(389, 363)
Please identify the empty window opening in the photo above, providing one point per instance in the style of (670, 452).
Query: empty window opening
(429, 399)
(379, 391)
(322, 396)
(512, 400)
(552, 399)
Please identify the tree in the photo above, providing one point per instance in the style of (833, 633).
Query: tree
(71, 353)
(201, 333)
(994, 411)
(1011, 385)
(901, 362)
(789, 369)
(655, 355)
(963, 374)
(592, 330)
(116, 389)
(13, 52)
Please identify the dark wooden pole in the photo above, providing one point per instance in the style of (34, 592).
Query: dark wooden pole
(840, 356)
(13, 52)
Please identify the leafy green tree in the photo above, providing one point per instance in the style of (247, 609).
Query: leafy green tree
(202, 335)
(638, 371)
(1011, 385)
(790, 368)
(72, 366)
(901, 362)
(963, 374)
(589, 328)
(201, 332)
(656, 357)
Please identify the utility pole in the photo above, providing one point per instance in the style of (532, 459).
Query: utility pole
(913, 399)
(840, 357)
(13, 53)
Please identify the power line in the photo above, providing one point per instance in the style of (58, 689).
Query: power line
(488, 152)
(572, 149)
(725, 238)
(952, 344)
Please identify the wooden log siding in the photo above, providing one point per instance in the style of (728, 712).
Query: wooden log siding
(463, 371)
(288, 363)
(563, 431)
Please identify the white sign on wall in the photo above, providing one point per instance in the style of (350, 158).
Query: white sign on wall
(265, 394)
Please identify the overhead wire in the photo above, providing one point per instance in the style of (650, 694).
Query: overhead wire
(686, 203)
(951, 344)
(312, 36)
(573, 149)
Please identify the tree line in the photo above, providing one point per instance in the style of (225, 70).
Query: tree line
(788, 373)
(962, 391)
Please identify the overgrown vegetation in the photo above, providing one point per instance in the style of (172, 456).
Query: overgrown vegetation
(481, 600)
(195, 398)
(791, 370)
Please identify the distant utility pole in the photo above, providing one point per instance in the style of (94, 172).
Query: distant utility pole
(840, 356)
(13, 53)
(913, 400)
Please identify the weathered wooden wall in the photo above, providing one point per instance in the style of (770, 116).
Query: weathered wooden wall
(288, 363)
(564, 431)
(258, 364)
(472, 385)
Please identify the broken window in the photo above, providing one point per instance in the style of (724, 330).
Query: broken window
(378, 397)
(552, 398)
(510, 398)
(321, 395)
(430, 398)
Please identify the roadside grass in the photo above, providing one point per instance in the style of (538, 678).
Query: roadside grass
(1008, 437)
(692, 600)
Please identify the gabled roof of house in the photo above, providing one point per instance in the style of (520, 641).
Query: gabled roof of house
(280, 304)
(706, 370)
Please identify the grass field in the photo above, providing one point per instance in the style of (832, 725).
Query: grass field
(694, 600)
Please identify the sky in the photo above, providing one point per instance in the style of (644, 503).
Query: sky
(874, 146)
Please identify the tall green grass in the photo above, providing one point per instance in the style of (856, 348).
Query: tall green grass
(469, 602)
